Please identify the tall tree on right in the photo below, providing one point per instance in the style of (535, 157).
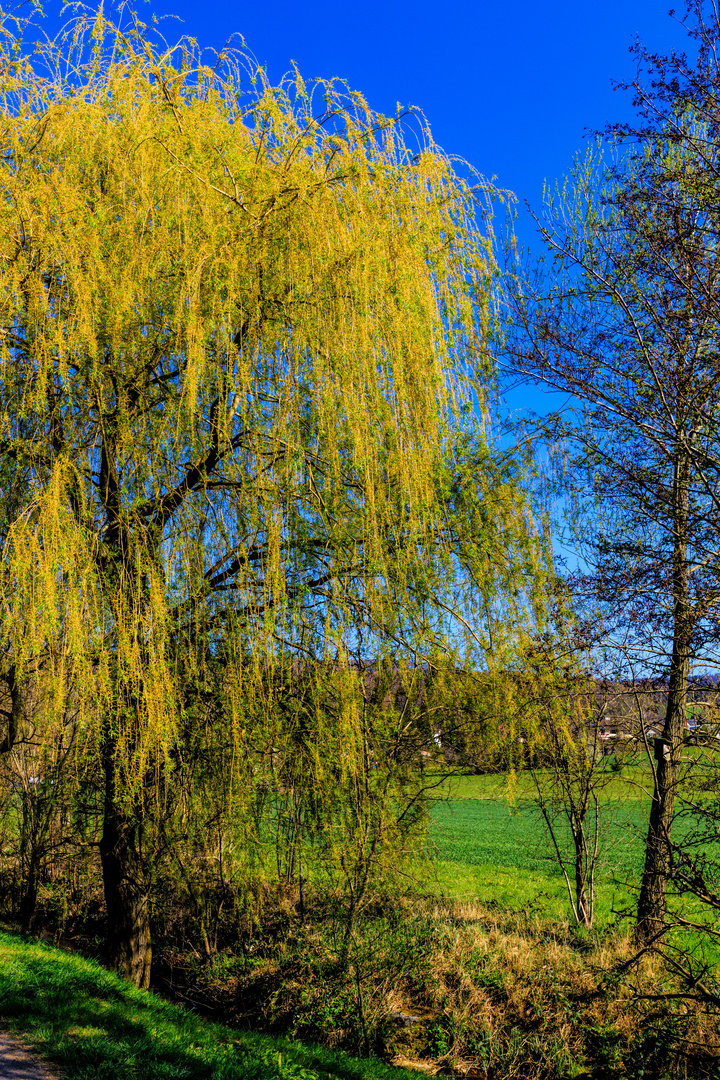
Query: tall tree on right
(624, 315)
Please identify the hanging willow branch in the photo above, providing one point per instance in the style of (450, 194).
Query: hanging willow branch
(243, 332)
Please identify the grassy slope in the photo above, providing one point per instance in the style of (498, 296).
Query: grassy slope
(95, 1026)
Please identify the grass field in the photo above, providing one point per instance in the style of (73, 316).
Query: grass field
(630, 784)
(495, 848)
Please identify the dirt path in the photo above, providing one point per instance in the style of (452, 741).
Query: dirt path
(18, 1062)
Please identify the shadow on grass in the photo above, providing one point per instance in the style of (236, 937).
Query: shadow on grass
(97, 1027)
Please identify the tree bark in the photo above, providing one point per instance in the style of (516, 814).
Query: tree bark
(652, 901)
(28, 901)
(584, 904)
(126, 882)
(14, 714)
(29, 858)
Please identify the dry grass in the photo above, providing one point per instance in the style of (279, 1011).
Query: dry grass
(520, 996)
(475, 991)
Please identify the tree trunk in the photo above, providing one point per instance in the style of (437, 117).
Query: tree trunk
(29, 856)
(582, 901)
(652, 900)
(28, 901)
(15, 714)
(126, 881)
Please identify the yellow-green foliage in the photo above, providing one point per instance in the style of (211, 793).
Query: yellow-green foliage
(243, 330)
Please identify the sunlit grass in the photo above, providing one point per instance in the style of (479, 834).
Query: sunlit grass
(530, 891)
(631, 782)
(493, 845)
(98, 1027)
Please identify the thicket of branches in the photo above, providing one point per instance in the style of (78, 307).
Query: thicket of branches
(623, 315)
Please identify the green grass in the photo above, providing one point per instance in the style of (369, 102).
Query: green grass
(477, 832)
(95, 1026)
(493, 845)
(496, 849)
(501, 886)
(631, 783)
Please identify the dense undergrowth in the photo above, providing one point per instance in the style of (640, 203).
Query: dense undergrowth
(432, 979)
(446, 987)
(460, 988)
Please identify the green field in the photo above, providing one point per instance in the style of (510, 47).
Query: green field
(630, 784)
(496, 849)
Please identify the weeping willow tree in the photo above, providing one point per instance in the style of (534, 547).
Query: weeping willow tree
(240, 329)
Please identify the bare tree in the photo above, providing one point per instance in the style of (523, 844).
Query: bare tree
(624, 316)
